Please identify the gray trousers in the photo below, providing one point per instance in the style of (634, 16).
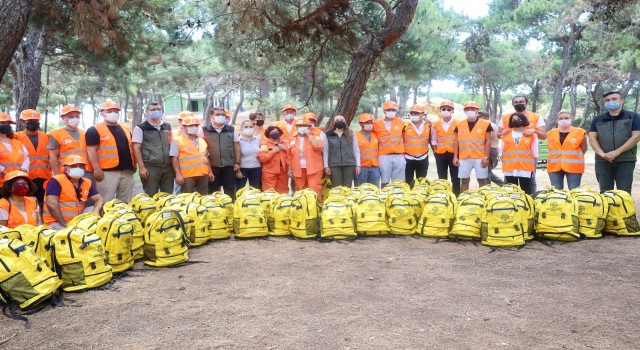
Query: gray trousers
(342, 175)
(160, 179)
(619, 174)
(198, 184)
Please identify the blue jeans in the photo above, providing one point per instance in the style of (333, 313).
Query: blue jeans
(557, 179)
(368, 174)
(254, 175)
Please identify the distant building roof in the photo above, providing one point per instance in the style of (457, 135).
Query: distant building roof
(193, 95)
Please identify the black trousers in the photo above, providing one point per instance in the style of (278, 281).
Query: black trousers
(444, 165)
(225, 177)
(417, 167)
(525, 183)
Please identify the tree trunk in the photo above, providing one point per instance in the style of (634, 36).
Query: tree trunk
(393, 96)
(15, 18)
(404, 98)
(637, 98)
(415, 94)
(27, 66)
(263, 88)
(235, 112)
(429, 90)
(587, 103)
(485, 95)
(92, 98)
(137, 106)
(633, 78)
(536, 95)
(189, 101)
(306, 87)
(398, 19)
(573, 95)
(126, 104)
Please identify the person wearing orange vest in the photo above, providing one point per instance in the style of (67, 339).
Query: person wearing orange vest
(190, 159)
(443, 143)
(288, 125)
(67, 141)
(390, 144)
(36, 142)
(110, 152)
(416, 144)
(519, 152)
(67, 194)
(567, 146)
(368, 145)
(473, 147)
(304, 158)
(273, 157)
(17, 207)
(13, 154)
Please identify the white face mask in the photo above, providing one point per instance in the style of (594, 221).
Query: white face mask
(73, 122)
(112, 117)
(219, 119)
(445, 113)
(564, 122)
(76, 173)
(390, 114)
(303, 130)
(247, 131)
(289, 117)
(192, 130)
(414, 118)
(367, 127)
(470, 114)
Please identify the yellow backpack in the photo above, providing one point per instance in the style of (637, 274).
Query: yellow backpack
(137, 239)
(420, 181)
(305, 215)
(280, 219)
(39, 239)
(156, 197)
(227, 204)
(165, 240)
(186, 198)
(326, 186)
(24, 276)
(468, 220)
(402, 213)
(621, 218)
(217, 223)
(438, 215)
(441, 185)
(116, 234)
(8, 233)
(198, 233)
(367, 188)
(246, 190)
(337, 219)
(85, 221)
(28, 234)
(112, 205)
(248, 219)
(591, 208)
(527, 210)
(554, 216)
(143, 206)
(80, 260)
(398, 185)
(371, 214)
(266, 201)
(502, 223)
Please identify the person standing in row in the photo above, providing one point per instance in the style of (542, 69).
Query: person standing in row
(258, 125)
(304, 159)
(443, 142)
(390, 144)
(111, 155)
(17, 207)
(567, 146)
(341, 154)
(190, 160)
(519, 153)
(368, 145)
(13, 154)
(151, 142)
(273, 157)
(473, 147)
(495, 152)
(416, 144)
(224, 152)
(250, 168)
(36, 143)
(288, 125)
(68, 140)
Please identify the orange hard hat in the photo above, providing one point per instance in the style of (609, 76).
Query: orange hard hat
(5, 117)
(471, 104)
(30, 114)
(304, 121)
(66, 109)
(289, 106)
(365, 117)
(417, 108)
(191, 121)
(310, 116)
(74, 159)
(110, 105)
(227, 113)
(447, 103)
(16, 173)
(389, 105)
(185, 114)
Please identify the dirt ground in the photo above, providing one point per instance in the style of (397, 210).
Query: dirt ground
(376, 293)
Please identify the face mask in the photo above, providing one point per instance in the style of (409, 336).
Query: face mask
(289, 117)
(247, 131)
(470, 114)
(226, 121)
(155, 115)
(564, 122)
(5, 129)
(112, 117)
(259, 122)
(520, 107)
(445, 113)
(612, 105)
(275, 136)
(219, 119)
(367, 127)
(192, 130)
(303, 130)
(341, 125)
(73, 122)
(390, 114)
(76, 173)
(21, 190)
(414, 118)
(33, 126)
(517, 123)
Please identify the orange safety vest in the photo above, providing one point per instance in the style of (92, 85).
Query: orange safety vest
(286, 135)
(389, 142)
(67, 146)
(15, 216)
(71, 204)
(415, 144)
(446, 139)
(39, 166)
(107, 149)
(518, 157)
(11, 160)
(531, 117)
(471, 142)
(368, 150)
(567, 156)
(193, 161)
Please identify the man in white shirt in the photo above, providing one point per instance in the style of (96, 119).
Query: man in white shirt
(443, 140)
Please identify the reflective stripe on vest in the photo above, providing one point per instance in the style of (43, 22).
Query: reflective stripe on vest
(417, 144)
(567, 156)
(107, 150)
(368, 149)
(39, 166)
(193, 161)
(11, 159)
(446, 139)
(472, 143)
(389, 142)
(69, 203)
(15, 216)
(67, 146)
(518, 157)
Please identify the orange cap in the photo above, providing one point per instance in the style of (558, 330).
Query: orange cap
(304, 121)
(471, 104)
(5, 117)
(30, 114)
(191, 121)
(74, 159)
(389, 105)
(185, 114)
(447, 103)
(66, 109)
(289, 106)
(310, 116)
(227, 113)
(16, 173)
(110, 105)
(417, 108)
(365, 117)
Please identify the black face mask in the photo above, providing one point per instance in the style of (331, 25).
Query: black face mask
(340, 125)
(32, 126)
(517, 123)
(259, 122)
(520, 107)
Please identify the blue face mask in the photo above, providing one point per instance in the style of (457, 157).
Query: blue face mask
(612, 105)
(226, 122)
(155, 114)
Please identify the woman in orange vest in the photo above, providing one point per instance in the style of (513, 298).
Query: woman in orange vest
(17, 207)
(519, 153)
(368, 145)
(341, 154)
(67, 194)
(567, 146)
(190, 159)
(273, 157)
(13, 154)
(36, 143)
(416, 144)
(304, 158)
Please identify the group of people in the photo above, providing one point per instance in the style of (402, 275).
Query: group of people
(51, 178)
